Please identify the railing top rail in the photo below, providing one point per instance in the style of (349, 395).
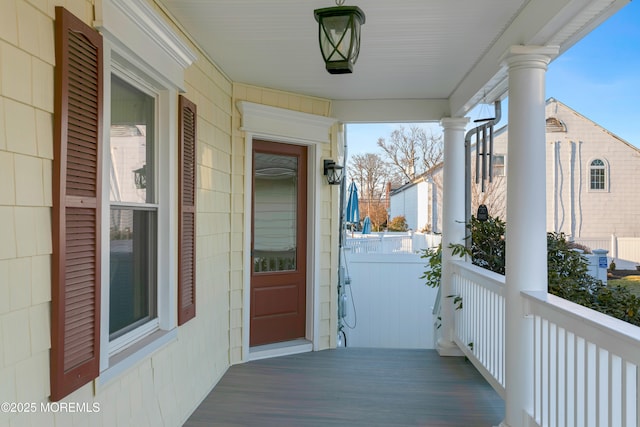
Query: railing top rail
(618, 337)
(493, 281)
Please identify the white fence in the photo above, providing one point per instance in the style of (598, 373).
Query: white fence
(624, 250)
(388, 305)
(387, 243)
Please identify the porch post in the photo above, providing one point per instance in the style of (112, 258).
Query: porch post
(453, 217)
(526, 249)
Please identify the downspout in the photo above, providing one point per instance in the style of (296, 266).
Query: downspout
(342, 268)
(572, 180)
(556, 148)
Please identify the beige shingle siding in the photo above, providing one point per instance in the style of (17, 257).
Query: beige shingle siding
(178, 376)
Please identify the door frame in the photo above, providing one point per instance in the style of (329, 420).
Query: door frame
(288, 127)
(312, 259)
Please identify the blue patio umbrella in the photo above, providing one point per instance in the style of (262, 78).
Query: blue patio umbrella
(366, 226)
(352, 213)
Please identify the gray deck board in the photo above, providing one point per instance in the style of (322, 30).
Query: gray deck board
(352, 387)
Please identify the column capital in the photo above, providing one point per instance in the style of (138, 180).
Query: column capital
(529, 56)
(454, 123)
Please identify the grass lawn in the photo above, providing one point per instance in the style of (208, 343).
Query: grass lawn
(632, 282)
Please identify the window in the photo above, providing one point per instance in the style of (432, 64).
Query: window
(133, 209)
(498, 165)
(597, 175)
(121, 202)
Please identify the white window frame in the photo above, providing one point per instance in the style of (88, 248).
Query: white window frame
(166, 197)
(606, 170)
(504, 165)
(140, 44)
(120, 343)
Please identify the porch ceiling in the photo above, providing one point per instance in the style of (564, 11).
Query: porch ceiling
(441, 56)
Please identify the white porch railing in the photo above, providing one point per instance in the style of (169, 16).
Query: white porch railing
(479, 325)
(586, 365)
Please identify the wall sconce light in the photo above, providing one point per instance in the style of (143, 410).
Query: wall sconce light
(140, 177)
(333, 172)
(339, 36)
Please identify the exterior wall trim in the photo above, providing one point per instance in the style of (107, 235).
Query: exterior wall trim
(140, 32)
(280, 123)
(287, 126)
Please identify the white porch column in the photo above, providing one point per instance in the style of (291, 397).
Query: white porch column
(453, 217)
(526, 257)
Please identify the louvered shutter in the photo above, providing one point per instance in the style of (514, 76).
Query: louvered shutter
(75, 320)
(187, 209)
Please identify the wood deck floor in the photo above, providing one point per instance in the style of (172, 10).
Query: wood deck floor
(352, 387)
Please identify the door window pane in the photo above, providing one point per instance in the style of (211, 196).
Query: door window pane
(275, 212)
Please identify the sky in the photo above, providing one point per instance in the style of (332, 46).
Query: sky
(599, 77)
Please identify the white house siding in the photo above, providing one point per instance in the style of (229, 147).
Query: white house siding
(163, 388)
(414, 203)
(405, 204)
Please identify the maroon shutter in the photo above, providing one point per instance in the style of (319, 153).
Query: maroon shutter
(75, 317)
(187, 210)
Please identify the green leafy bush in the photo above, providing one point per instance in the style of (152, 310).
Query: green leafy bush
(568, 275)
(434, 263)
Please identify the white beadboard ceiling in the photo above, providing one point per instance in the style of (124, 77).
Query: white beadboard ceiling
(411, 49)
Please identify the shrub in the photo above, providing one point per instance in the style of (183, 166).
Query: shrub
(487, 248)
(398, 223)
(568, 275)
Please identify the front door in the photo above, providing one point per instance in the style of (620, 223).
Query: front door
(278, 243)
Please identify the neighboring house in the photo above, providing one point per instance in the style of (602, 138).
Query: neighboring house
(416, 201)
(590, 175)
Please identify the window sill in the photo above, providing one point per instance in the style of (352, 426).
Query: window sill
(126, 359)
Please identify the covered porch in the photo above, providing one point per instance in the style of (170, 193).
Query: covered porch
(552, 362)
(355, 387)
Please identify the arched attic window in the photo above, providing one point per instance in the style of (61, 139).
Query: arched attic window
(597, 175)
(555, 125)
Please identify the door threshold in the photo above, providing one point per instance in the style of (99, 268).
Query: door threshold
(285, 348)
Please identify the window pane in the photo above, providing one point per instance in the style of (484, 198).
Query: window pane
(131, 143)
(597, 179)
(498, 165)
(275, 212)
(133, 249)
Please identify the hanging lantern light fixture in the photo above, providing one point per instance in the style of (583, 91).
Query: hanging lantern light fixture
(339, 36)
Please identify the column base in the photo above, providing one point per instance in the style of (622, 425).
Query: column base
(448, 348)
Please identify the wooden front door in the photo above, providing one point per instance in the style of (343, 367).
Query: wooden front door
(278, 243)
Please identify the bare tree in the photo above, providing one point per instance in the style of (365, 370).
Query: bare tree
(412, 151)
(494, 197)
(371, 174)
